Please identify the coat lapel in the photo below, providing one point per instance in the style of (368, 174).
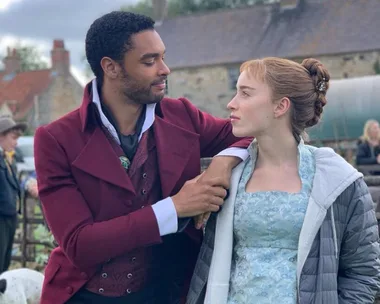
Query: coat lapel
(99, 159)
(11, 176)
(174, 148)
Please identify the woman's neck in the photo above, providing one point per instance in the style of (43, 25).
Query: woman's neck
(277, 151)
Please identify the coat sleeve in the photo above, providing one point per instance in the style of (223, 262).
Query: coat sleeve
(70, 218)
(215, 133)
(359, 265)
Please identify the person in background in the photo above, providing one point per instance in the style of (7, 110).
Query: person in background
(28, 182)
(368, 150)
(10, 131)
(18, 155)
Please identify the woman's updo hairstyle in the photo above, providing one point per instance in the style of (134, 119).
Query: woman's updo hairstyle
(304, 84)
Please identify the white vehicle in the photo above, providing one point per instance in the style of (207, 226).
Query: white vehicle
(25, 145)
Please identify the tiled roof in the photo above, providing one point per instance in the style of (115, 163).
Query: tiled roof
(321, 27)
(22, 87)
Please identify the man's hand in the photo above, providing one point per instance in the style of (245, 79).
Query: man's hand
(378, 159)
(196, 198)
(220, 166)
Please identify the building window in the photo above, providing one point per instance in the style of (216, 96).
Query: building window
(233, 75)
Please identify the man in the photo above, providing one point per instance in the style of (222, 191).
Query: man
(9, 188)
(112, 175)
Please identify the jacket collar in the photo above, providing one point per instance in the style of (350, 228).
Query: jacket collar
(91, 96)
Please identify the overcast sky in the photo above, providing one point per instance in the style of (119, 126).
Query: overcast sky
(38, 22)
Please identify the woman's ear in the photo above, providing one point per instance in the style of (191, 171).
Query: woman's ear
(282, 106)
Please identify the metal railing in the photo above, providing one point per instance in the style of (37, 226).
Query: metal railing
(27, 220)
(368, 169)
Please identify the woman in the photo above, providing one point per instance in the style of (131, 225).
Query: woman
(298, 225)
(368, 152)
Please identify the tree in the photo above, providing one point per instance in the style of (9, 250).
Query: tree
(31, 58)
(144, 7)
(186, 7)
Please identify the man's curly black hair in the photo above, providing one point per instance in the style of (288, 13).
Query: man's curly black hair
(110, 36)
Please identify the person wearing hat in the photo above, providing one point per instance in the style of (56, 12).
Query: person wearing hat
(10, 131)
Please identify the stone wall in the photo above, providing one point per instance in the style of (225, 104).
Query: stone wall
(66, 96)
(212, 87)
(207, 87)
(63, 95)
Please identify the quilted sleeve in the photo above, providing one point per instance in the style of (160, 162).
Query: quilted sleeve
(359, 265)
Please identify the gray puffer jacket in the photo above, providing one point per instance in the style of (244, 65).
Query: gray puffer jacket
(338, 255)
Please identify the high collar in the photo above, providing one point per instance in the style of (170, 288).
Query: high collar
(91, 96)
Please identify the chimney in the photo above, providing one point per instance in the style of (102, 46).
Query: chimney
(12, 62)
(160, 9)
(60, 58)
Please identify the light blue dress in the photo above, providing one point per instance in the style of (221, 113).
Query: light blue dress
(266, 231)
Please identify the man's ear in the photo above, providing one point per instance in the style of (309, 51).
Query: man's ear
(110, 67)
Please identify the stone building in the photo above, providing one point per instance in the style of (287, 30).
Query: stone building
(40, 96)
(205, 51)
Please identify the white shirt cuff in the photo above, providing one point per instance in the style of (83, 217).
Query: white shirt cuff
(234, 151)
(166, 216)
